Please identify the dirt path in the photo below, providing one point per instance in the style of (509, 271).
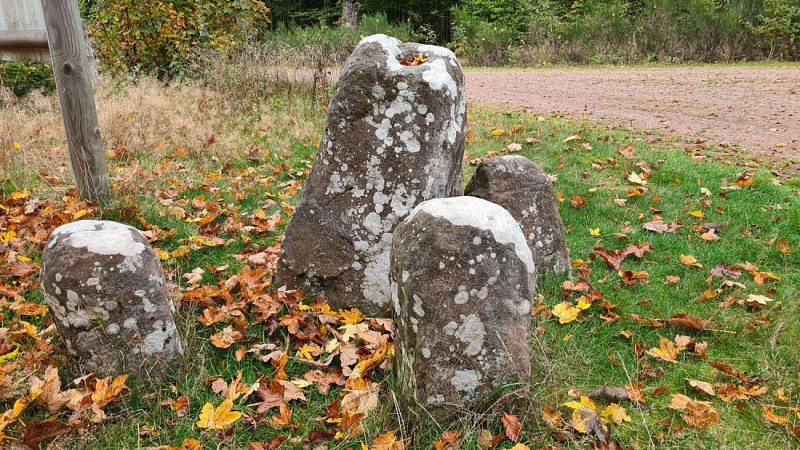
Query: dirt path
(757, 108)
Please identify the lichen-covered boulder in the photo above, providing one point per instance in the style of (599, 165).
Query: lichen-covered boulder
(394, 137)
(105, 289)
(525, 190)
(462, 280)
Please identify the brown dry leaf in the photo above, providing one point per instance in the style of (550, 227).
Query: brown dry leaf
(783, 246)
(448, 441)
(180, 406)
(577, 202)
(487, 441)
(552, 417)
(51, 396)
(628, 152)
(710, 235)
(282, 419)
(702, 385)
(631, 277)
(672, 279)
(697, 413)
(512, 426)
(227, 337)
(580, 286)
(387, 441)
(685, 320)
(36, 432)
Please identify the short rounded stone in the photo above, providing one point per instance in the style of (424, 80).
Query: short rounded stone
(474, 334)
(98, 274)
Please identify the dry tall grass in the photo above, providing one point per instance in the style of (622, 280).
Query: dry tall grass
(240, 103)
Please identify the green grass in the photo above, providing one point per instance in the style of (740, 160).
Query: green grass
(580, 355)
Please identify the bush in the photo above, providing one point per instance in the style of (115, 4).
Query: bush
(22, 78)
(482, 42)
(777, 29)
(163, 37)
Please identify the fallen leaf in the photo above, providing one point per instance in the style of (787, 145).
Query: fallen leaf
(512, 426)
(702, 385)
(219, 417)
(689, 260)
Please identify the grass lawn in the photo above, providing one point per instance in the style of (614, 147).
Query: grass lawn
(214, 183)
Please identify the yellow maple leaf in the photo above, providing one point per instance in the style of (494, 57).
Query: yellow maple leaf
(219, 417)
(497, 132)
(594, 231)
(690, 261)
(615, 413)
(585, 402)
(666, 351)
(565, 312)
(698, 214)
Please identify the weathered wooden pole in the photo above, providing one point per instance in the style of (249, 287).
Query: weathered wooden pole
(74, 85)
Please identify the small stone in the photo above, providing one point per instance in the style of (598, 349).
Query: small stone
(394, 137)
(525, 190)
(106, 292)
(475, 332)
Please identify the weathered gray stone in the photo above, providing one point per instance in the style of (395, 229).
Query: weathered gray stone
(394, 138)
(462, 281)
(525, 190)
(104, 287)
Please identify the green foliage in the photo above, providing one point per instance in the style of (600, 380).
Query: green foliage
(778, 28)
(22, 78)
(328, 45)
(163, 37)
(482, 42)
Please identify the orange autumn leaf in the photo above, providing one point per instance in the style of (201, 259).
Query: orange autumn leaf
(512, 426)
(702, 385)
(105, 393)
(387, 441)
(772, 417)
(219, 417)
(225, 338)
(448, 441)
(697, 413)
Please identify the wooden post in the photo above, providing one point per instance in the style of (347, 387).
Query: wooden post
(74, 85)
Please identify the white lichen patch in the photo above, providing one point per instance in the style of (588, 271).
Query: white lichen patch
(472, 332)
(102, 237)
(462, 296)
(160, 339)
(418, 310)
(484, 215)
(466, 381)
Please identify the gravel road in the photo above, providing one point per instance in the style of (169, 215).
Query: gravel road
(756, 108)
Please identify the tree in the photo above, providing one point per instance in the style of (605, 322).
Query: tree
(350, 13)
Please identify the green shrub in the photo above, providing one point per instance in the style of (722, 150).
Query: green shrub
(777, 29)
(482, 42)
(22, 78)
(163, 37)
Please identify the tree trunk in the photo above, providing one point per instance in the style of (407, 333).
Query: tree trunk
(74, 86)
(350, 13)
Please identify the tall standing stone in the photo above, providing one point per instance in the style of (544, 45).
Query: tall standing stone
(525, 190)
(394, 137)
(105, 289)
(462, 281)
